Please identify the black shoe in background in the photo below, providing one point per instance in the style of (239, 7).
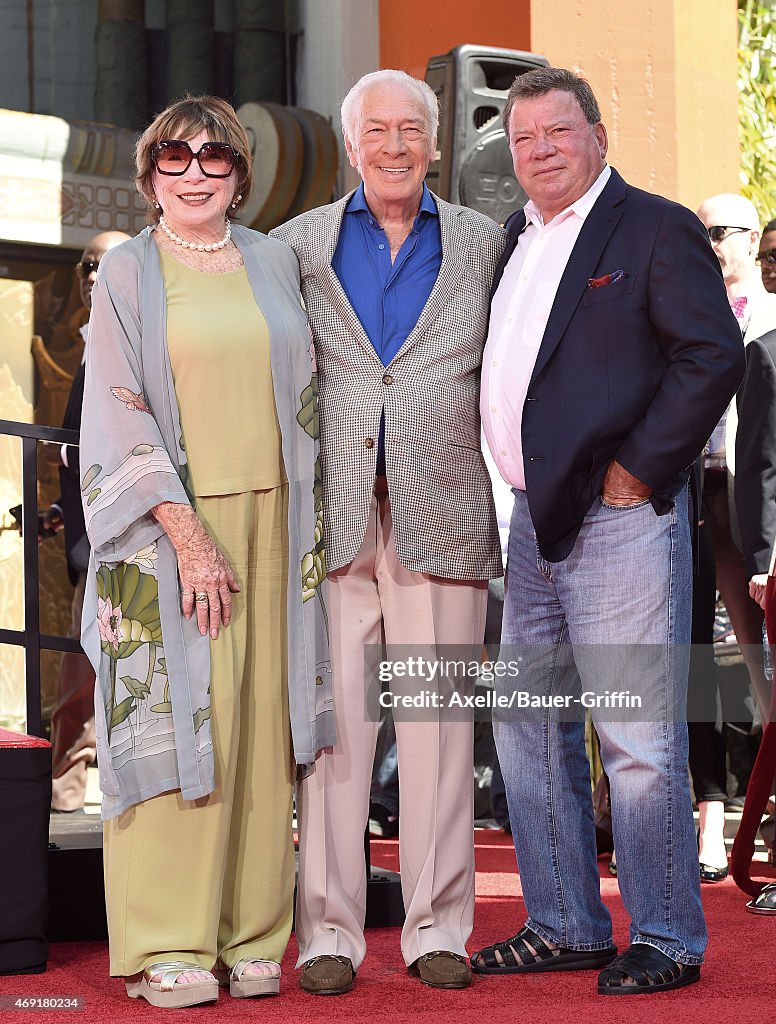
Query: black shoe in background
(742, 746)
(382, 824)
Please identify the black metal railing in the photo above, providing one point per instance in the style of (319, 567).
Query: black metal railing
(31, 638)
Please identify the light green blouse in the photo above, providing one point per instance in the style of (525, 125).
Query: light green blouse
(218, 342)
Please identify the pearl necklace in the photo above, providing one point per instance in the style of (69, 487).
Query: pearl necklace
(198, 246)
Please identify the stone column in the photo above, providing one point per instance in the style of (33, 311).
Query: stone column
(260, 51)
(223, 48)
(340, 43)
(189, 48)
(121, 90)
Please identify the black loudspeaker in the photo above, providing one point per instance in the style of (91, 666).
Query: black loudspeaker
(473, 165)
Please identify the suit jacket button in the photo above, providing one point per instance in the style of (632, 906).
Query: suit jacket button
(387, 378)
(369, 442)
(536, 458)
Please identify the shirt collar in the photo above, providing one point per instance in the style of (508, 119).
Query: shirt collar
(358, 203)
(581, 207)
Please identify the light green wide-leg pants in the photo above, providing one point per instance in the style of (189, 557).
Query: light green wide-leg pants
(211, 881)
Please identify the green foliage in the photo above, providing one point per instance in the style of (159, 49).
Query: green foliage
(307, 417)
(122, 711)
(133, 599)
(757, 103)
(201, 715)
(139, 690)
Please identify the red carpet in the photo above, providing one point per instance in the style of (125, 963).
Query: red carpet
(735, 985)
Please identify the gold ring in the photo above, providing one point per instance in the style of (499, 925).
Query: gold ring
(201, 598)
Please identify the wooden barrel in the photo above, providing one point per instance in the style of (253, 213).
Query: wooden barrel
(321, 160)
(278, 152)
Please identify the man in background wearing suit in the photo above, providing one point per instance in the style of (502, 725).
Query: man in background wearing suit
(611, 354)
(755, 485)
(72, 721)
(736, 507)
(396, 282)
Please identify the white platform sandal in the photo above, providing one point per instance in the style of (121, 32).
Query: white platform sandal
(165, 992)
(244, 987)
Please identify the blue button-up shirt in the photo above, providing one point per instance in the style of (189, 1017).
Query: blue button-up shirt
(387, 297)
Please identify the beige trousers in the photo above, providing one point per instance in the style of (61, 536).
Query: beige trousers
(211, 881)
(73, 742)
(373, 595)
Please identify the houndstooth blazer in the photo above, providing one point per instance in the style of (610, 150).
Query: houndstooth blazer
(441, 499)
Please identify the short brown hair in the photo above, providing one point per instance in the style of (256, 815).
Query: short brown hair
(183, 120)
(543, 80)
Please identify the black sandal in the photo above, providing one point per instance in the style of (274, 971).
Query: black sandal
(543, 959)
(643, 970)
(765, 903)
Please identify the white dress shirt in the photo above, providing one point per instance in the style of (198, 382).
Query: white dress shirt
(519, 314)
(716, 454)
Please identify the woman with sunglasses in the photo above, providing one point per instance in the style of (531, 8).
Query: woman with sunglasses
(204, 616)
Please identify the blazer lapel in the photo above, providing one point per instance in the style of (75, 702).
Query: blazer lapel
(515, 228)
(595, 233)
(331, 284)
(455, 241)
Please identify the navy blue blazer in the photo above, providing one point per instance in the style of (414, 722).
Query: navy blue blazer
(755, 480)
(639, 370)
(76, 541)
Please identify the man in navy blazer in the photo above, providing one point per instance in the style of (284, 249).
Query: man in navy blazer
(612, 352)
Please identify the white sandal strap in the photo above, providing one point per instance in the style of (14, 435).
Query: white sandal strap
(170, 971)
(237, 971)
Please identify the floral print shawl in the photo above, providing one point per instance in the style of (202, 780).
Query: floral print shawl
(153, 666)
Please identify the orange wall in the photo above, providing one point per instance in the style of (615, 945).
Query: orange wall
(669, 101)
(412, 31)
(664, 72)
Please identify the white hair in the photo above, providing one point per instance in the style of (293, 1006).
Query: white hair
(353, 103)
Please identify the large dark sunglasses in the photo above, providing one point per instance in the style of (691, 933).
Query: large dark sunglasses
(766, 256)
(719, 232)
(174, 156)
(86, 267)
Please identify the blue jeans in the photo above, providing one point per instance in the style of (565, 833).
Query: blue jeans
(385, 772)
(614, 615)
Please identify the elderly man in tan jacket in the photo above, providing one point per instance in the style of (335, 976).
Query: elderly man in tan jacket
(396, 285)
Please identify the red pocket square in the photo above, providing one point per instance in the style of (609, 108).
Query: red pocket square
(613, 278)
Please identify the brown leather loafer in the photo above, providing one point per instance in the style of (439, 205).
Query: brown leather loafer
(327, 975)
(442, 969)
